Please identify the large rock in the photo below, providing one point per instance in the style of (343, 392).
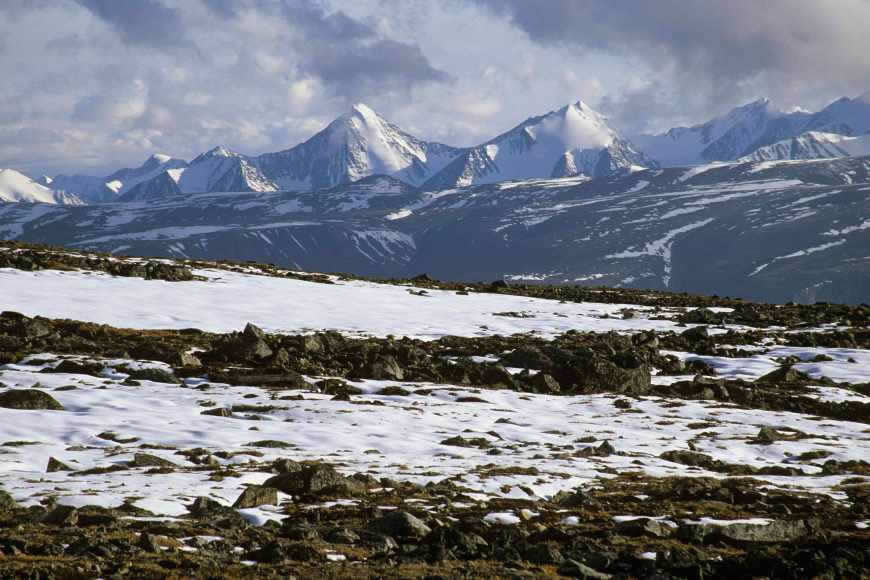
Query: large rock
(400, 524)
(6, 501)
(256, 495)
(746, 532)
(315, 479)
(62, 515)
(32, 399)
(385, 367)
(56, 465)
(148, 460)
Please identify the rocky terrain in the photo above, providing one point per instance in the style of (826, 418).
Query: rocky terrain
(164, 418)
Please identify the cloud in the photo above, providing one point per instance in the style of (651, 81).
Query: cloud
(105, 83)
(347, 54)
(721, 49)
(143, 22)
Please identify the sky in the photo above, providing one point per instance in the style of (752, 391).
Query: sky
(93, 85)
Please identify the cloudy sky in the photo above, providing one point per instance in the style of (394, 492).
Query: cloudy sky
(92, 85)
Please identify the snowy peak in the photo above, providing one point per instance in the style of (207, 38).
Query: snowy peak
(567, 142)
(357, 144)
(219, 152)
(17, 187)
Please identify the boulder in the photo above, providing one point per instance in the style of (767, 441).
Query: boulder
(148, 460)
(315, 479)
(256, 495)
(62, 515)
(400, 524)
(56, 465)
(31, 399)
(385, 367)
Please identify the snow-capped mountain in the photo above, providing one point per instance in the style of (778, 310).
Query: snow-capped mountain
(813, 145)
(745, 129)
(775, 231)
(124, 180)
(217, 170)
(17, 187)
(95, 189)
(733, 135)
(571, 141)
(356, 145)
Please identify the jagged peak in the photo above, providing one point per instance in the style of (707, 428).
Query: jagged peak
(219, 151)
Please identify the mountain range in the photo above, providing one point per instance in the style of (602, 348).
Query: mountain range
(746, 129)
(572, 141)
(562, 198)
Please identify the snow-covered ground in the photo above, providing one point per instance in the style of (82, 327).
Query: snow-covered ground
(228, 300)
(401, 436)
(402, 439)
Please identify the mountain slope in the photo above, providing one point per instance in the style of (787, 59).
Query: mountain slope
(571, 141)
(812, 145)
(17, 187)
(355, 145)
(773, 231)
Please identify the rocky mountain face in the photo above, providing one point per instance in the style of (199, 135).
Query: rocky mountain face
(779, 231)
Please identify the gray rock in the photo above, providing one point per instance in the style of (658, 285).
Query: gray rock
(153, 374)
(218, 412)
(575, 569)
(751, 533)
(62, 515)
(645, 527)
(57, 465)
(148, 460)
(256, 495)
(6, 501)
(400, 524)
(31, 399)
(316, 479)
(544, 383)
(385, 368)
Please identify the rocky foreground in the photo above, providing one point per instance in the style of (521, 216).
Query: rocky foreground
(475, 431)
